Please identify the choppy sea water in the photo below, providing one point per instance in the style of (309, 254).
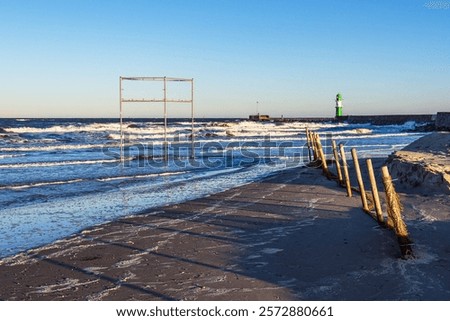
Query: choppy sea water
(59, 176)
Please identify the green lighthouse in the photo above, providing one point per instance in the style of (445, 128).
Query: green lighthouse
(338, 105)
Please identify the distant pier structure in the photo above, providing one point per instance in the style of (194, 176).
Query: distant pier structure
(259, 117)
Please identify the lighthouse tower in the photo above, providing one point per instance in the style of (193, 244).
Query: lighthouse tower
(338, 105)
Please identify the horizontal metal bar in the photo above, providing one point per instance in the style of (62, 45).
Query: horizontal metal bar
(142, 78)
(179, 101)
(142, 100)
(156, 78)
(156, 101)
(180, 79)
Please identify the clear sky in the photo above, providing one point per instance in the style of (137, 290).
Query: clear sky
(63, 58)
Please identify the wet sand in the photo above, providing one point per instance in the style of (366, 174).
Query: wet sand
(292, 236)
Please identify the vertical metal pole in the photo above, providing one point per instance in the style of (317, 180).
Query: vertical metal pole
(121, 126)
(165, 120)
(192, 117)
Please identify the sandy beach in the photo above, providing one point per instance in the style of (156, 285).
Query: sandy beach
(292, 236)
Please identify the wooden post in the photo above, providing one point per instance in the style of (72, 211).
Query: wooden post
(394, 209)
(322, 156)
(346, 175)
(314, 145)
(311, 142)
(336, 158)
(362, 190)
(308, 141)
(376, 197)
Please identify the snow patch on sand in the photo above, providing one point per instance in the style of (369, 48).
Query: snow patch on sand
(96, 270)
(128, 263)
(63, 285)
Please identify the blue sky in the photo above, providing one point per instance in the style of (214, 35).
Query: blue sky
(64, 58)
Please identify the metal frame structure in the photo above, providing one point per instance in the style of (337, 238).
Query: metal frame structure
(163, 100)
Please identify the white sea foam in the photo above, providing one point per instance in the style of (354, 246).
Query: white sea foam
(62, 147)
(51, 164)
(142, 176)
(66, 129)
(271, 250)
(11, 156)
(40, 184)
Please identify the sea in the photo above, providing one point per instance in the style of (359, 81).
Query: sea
(60, 176)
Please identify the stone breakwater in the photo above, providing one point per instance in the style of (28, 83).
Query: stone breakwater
(443, 121)
(390, 119)
(428, 120)
(424, 165)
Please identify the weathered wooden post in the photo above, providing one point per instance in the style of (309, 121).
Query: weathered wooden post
(336, 158)
(316, 152)
(308, 141)
(362, 190)
(394, 209)
(316, 146)
(346, 174)
(374, 187)
(313, 145)
(322, 155)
